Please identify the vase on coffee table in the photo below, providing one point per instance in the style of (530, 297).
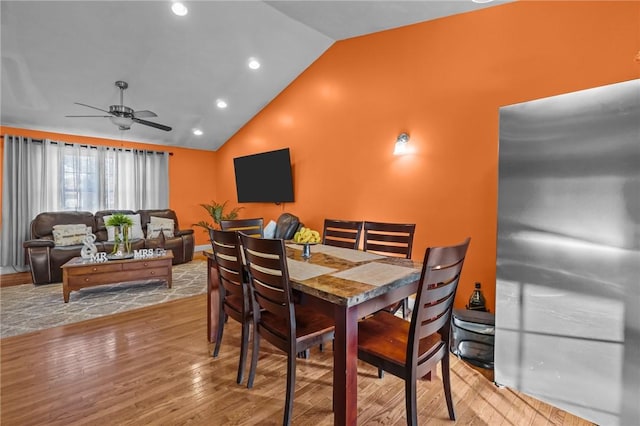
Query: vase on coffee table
(121, 225)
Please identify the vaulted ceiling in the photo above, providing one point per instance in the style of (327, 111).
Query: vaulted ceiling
(57, 53)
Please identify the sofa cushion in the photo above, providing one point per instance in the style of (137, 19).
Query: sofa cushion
(42, 225)
(154, 230)
(146, 215)
(101, 229)
(69, 235)
(134, 232)
(160, 224)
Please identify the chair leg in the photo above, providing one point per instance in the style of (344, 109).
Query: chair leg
(254, 356)
(446, 383)
(380, 373)
(221, 321)
(244, 344)
(410, 401)
(291, 387)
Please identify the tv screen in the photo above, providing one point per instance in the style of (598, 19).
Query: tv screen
(264, 177)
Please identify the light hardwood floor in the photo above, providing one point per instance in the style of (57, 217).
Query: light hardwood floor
(154, 366)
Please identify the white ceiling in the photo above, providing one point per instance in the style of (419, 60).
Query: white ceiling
(55, 53)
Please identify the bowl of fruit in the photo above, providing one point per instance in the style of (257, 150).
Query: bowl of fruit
(306, 237)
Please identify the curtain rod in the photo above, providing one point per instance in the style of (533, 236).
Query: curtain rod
(96, 146)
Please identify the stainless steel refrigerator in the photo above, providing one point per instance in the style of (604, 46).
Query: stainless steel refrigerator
(568, 262)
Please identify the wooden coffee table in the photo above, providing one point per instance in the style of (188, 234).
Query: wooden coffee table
(80, 273)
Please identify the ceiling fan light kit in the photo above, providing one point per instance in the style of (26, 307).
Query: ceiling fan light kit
(123, 116)
(123, 123)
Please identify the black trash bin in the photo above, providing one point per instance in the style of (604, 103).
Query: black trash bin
(473, 334)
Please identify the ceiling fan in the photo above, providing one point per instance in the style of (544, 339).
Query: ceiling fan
(123, 116)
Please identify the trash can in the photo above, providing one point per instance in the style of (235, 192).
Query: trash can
(472, 336)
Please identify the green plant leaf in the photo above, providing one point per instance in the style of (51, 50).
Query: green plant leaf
(119, 219)
(217, 212)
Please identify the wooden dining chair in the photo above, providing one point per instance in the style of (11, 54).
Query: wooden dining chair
(253, 227)
(390, 239)
(290, 327)
(234, 291)
(418, 345)
(342, 233)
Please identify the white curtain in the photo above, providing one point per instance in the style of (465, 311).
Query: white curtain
(45, 175)
(149, 170)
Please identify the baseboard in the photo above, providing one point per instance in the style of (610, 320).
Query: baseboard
(8, 280)
(205, 247)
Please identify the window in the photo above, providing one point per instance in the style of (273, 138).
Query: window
(45, 175)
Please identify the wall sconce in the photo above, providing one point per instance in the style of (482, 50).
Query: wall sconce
(401, 144)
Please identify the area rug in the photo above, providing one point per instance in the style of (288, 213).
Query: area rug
(27, 308)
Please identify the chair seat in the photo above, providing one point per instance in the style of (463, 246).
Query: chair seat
(385, 336)
(309, 323)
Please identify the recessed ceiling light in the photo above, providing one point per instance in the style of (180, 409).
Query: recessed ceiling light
(254, 64)
(197, 132)
(179, 8)
(221, 103)
(482, 1)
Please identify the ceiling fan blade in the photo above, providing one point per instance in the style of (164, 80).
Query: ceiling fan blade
(89, 106)
(144, 114)
(104, 116)
(152, 124)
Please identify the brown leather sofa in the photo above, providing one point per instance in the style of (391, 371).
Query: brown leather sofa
(45, 258)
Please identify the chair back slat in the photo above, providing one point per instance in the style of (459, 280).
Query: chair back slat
(231, 281)
(436, 293)
(433, 326)
(434, 316)
(390, 239)
(253, 227)
(387, 250)
(270, 299)
(342, 233)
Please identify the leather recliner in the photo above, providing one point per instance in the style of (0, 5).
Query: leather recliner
(286, 226)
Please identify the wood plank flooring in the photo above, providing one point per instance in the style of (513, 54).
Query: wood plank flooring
(154, 366)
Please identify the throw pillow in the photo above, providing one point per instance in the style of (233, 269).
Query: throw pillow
(167, 223)
(69, 235)
(154, 230)
(134, 232)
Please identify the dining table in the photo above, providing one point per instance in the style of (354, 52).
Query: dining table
(347, 285)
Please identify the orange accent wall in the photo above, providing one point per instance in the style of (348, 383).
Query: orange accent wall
(441, 81)
(190, 179)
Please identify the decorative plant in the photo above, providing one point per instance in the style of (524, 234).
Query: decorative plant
(218, 214)
(122, 222)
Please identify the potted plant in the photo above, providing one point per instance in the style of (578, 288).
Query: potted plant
(121, 224)
(218, 214)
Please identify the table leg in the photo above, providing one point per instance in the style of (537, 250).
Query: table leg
(65, 287)
(345, 366)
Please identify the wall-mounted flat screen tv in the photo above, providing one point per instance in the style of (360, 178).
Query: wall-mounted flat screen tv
(264, 177)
